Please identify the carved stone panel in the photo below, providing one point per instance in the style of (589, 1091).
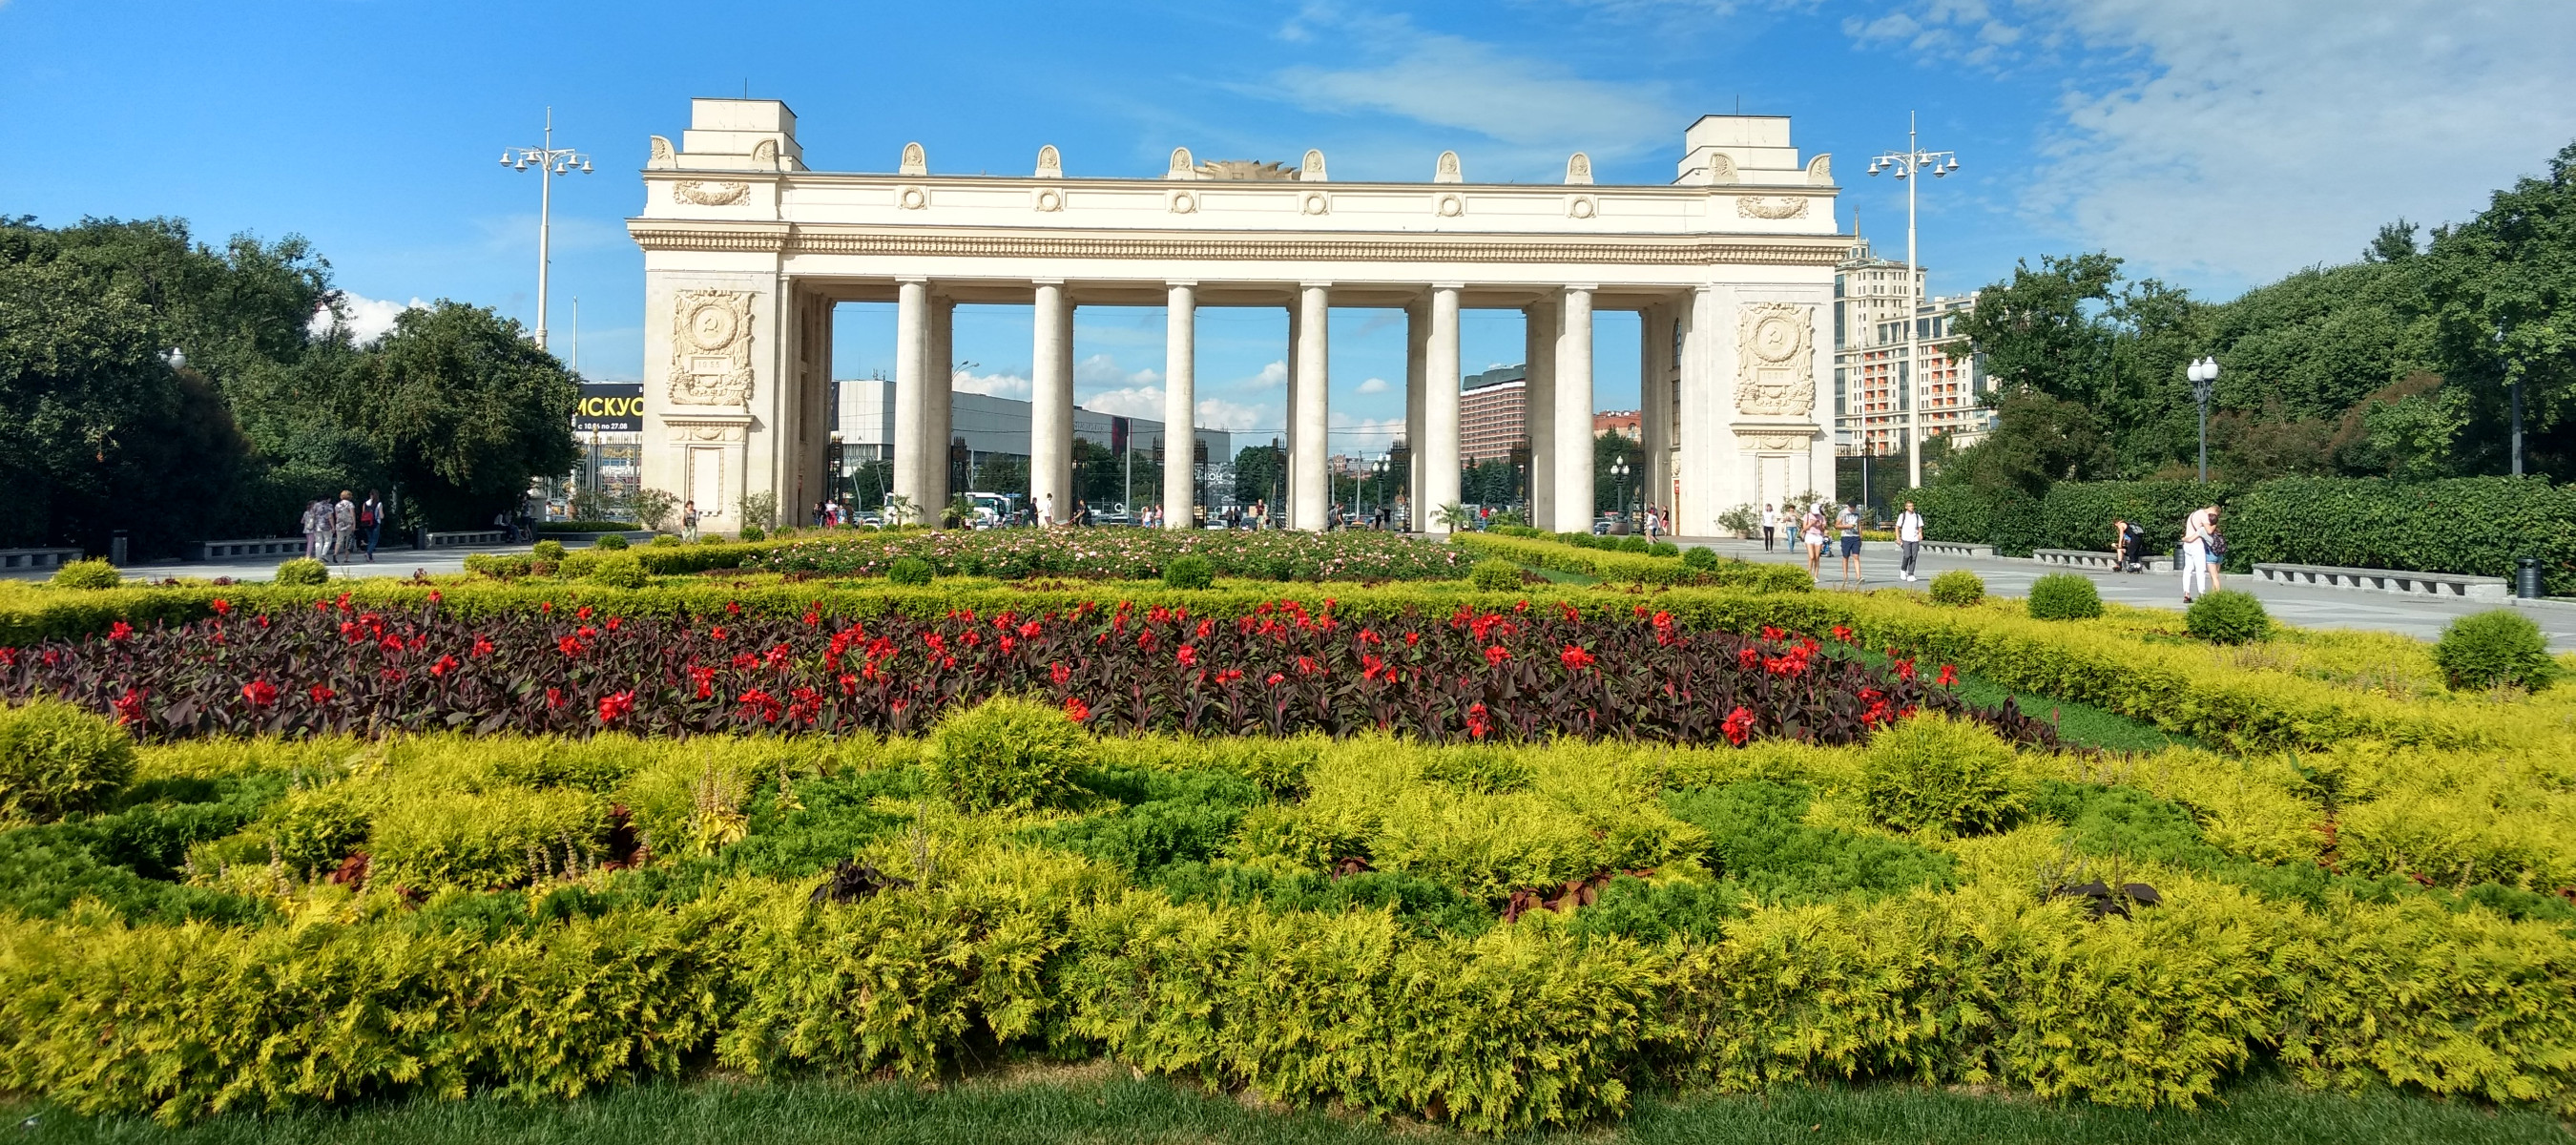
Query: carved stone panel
(709, 194)
(1578, 169)
(1820, 171)
(1774, 367)
(1775, 442)
(1766, 207)
(711, 348)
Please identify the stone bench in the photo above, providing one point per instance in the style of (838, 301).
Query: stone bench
(2402, 581)
(2095, 559)
(633, 537)
(469, 537)
(37, 558)
(1957, 549)
(262, 547)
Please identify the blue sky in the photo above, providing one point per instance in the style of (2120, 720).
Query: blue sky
(2214, 143)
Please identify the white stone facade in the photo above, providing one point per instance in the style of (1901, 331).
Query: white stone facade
(747, 250)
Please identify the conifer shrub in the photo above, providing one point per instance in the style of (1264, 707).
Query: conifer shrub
(619, 570)
(313, 829)
(578, 564)
(503, 836)
(1635, 544)
(1700, 560)
(2228, 617)
(909, 570)
(1664, 549)
(1189, 572)
(94, 572)
(2490, 648)
(1496, 575)
(754, 533)
(303, 570)
(548, 550)
(665, 540)
(1006, 752)
(1929, 772)
(1958, 588)
(610, 541)
(56, 759)
(2064, 596)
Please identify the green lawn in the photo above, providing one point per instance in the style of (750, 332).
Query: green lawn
(1101, 1104)
(2081, 724)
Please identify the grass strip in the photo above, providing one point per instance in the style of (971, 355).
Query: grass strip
(1101, 1103)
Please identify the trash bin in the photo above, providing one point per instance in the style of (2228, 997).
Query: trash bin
(2526, 579)
(420, 537)
(116, 549)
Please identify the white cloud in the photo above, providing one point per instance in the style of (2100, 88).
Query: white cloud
(995, 384)
(1134, 401)
(2239, 141)
(1104, 370)
(1450, 81)
(366, 319)
(1273, 376)
(1373, 386)
(1216, 414)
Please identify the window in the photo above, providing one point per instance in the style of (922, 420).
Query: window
(1840, 406)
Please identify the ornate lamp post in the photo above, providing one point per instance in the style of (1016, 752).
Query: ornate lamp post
(1619, 486)
(1380, 467)
(549, 162)
(1912, 161)
(2204, 378)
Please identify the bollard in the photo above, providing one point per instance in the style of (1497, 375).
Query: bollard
(2526, 579)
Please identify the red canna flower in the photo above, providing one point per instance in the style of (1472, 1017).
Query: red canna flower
(482, 646)
(1412, 638)
(1076, 710)
(1905, 669)
(732, 609)
(221, 606)
(1772, 634)
(390, 675)
(705, 679)
(445, 665)
(120, 632)
(1059, 673)
(570, 645)
(1305, 665)
(129, 707)
(320, 693)
(1748, 657)
(554, 697)
(761, 704)
(1477, 724)
(849, 684)
(613, 622)
(260, 693)
(1496, 654)
(1738, 726)
(1949, 677)
(1030, 630)
(616, 707)
(1275, 679)
(583, 613)
(1188, 656)
(716, 633)
(1842, 634)
(1574, 658)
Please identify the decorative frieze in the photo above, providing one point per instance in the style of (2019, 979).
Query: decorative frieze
(709, 194)
(711, 348)
(1775, 368)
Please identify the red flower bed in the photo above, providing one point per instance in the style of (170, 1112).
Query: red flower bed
(1493, 676)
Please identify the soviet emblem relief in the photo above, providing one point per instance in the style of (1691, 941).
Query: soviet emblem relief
(1774, 372)
(711, 348)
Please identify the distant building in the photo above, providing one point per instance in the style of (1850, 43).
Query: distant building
(991, 429)
(1624, 422)
(1873, 390)
(1493, 415)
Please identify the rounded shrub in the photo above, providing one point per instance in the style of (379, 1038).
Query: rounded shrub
(548, 550)
(577, 565)
(2064, 596)
(92, 573)
(1958, 587)
(1664, 549)
(56, 759)
(610, 541)
(1635, 544)
(1279, 569)
(1929, 772)
(1700, 560)
(1006, 752)
(1495, 575)
(909, 570)
(303, 570)
(2491, 648)
(619, 570)
(753, 533)
(665, 540)
(2227, 617)
(1189, 572)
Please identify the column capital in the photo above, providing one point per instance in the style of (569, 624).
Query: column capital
(1315, 285)
(1582, 287)
(1173, 282)
(1448, 286)
(912, 279)
(1046, 282)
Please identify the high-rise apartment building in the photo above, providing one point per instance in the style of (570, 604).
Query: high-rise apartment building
(1873, 394)
(1493, 415)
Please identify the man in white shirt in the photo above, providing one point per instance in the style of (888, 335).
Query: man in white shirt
(1909, 537)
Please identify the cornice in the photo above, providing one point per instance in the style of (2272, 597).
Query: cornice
(790, 180)
(1637, 250)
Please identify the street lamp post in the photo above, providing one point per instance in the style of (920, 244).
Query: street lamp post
(549, 161)
(1912, 161)
(1619, 489)
(2204, 378)
(2504, 330)
(1380, 466)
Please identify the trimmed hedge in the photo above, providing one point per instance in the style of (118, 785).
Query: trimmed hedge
(1614, 564)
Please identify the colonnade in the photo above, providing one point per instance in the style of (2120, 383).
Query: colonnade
(1559, 392)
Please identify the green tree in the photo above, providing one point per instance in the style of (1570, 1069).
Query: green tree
(467, 410)
(2501, 289)
(1260, 474)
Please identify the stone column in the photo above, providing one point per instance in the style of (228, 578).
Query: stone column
(1539, 413)
(1051, 407)
(1654, 403)
(941, 378)
(1439, 449)
(1574, 503)
(1703, 435)
(1417, 342)
(1288, 424)
(912, 395)
(1310, 495)
(1180, 403)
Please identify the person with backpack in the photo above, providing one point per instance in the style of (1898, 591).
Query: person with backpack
(2193, 558)
(371, 517)
(1909, 538)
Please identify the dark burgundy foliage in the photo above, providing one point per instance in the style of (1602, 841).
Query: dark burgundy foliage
(1498, 677)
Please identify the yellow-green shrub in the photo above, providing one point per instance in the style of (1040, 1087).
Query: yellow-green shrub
(1929, 772)
(1006, 752)
(499, 837)
(57, 759)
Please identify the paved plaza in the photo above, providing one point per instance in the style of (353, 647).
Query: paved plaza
(2417, 616)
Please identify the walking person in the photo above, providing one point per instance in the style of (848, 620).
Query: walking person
(1909, 538)
(344, 527)
(1770, 526)
(2121, 553)
(313, 529)
(1847, 524)
(1812, 531)
(689, 521)
(371, 517)
(2196, 531)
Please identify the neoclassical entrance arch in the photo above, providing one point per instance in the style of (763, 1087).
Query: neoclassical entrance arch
(746, 250)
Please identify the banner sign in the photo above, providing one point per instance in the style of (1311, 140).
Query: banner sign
(610, 406)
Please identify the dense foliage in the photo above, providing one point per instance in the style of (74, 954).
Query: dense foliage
(2501, 647)
(2064, 596)
(1126, 554)
(2227, 617)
